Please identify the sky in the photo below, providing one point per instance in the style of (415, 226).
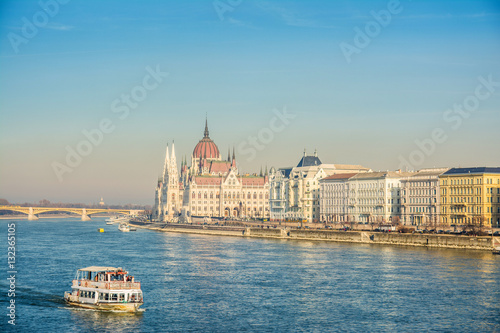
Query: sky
(91, 92)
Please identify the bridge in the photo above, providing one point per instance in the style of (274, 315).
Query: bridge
(33, 212)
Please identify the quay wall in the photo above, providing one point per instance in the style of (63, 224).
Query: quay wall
(425, 240)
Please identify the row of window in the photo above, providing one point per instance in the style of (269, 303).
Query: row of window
(469, 181)
(228, 195)
(205, 209)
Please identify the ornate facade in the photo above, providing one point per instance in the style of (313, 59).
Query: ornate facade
(210, 187)
(295, 192)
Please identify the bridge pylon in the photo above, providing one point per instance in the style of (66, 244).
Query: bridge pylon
(32, 216)
(85, 217)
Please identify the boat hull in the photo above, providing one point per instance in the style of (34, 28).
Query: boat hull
(122, 307)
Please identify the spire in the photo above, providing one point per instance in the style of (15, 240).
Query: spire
(166, 166)
(233, 162)
(173, 160)
(206, 127)
(305, 154)
(315, 153)
(261, 171)
(265, 173)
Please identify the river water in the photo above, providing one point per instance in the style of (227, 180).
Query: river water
(197, 283)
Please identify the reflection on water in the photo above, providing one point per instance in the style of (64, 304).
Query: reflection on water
(224, 284)
(100, 321)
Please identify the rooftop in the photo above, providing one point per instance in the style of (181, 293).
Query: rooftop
(309, 161)
(476, 170)
(100, 269)
(340, 176)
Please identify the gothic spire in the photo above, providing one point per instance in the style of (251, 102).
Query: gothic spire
(234, 156)
(166, 166)
(206, 127)
(173, 160)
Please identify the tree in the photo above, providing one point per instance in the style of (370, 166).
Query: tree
(395, 221)
(44, 203)
(4, 202)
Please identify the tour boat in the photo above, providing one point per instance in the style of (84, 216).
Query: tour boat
(124, 227)
(105, 288)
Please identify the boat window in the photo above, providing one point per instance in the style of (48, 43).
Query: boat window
(122, 297)
(93, 294)
(114, 297)
(106, 296)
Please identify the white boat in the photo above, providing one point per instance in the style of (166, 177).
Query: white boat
(124, 227)
(105, 288)
(118, 219)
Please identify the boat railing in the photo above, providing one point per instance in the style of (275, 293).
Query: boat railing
(107, 285)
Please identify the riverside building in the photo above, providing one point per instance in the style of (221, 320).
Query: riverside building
(367, 197)
(420, 198)
(209, 187)
(470, 196)
(295, 191)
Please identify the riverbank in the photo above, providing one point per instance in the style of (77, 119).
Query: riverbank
(486, 243)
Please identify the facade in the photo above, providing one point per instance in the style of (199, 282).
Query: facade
(367, 197)
(209, 187)
(470, 196)
(295, 192)
(420, 198)
(334, 198)
(375, 197)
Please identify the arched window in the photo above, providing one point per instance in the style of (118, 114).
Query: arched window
(211, 195)
(194, 195)
(199, 195)
(205, 195)
(255, 195)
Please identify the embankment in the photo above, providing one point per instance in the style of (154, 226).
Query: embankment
(365, 237)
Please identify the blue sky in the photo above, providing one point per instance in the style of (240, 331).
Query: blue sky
(261, 56)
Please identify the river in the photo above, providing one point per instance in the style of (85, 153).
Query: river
(198, 283)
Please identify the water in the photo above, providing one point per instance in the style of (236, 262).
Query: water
(225, 284)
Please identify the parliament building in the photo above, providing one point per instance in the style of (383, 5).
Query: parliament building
(209, 187)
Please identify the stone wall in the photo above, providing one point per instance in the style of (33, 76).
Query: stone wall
(367, 237)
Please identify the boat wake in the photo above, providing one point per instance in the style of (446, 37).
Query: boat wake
(73, 308)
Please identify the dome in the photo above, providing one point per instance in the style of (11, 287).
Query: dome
(206, 147)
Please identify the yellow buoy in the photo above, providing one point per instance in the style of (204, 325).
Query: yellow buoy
(100, 230)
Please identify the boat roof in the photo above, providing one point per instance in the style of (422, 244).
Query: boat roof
(100, 269)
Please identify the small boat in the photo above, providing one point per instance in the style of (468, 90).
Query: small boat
(124, 227)
(105, 288)
(496, 250)
(118, 219)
